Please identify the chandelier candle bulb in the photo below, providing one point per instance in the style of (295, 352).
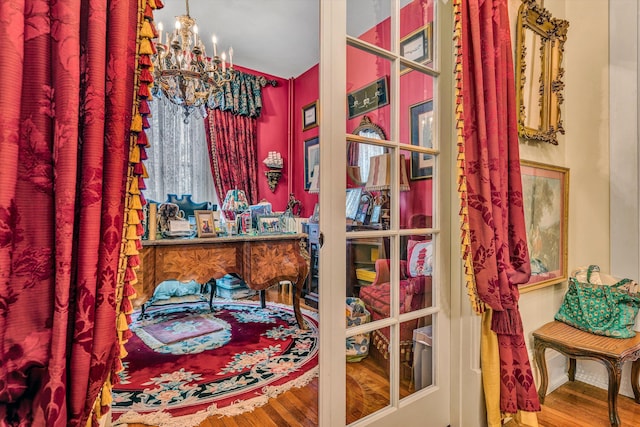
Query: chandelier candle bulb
(184, 74)
(230, 57)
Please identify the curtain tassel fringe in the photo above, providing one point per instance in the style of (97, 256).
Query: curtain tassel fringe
(147, 31)
(136, 123)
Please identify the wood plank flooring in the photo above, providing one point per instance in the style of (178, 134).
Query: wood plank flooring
(577, 404)
(572, 405)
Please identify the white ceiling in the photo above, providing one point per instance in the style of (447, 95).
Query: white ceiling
(277, 37)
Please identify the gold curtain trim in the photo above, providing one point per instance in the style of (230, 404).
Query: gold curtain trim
(133, 206)
(465, 241)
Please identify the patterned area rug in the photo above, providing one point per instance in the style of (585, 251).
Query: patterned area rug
(249, 356)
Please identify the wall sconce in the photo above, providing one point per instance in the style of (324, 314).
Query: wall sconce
(274, 163)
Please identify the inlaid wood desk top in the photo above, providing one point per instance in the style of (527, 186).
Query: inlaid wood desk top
(262, 261)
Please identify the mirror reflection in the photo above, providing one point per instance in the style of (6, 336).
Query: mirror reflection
(539, 49)
(359, 153)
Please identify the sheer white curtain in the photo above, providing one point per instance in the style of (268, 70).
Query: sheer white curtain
(177, 162)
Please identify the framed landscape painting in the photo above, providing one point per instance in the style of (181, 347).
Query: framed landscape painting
(545, 192)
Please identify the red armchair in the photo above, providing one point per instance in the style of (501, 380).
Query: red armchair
(415, 293)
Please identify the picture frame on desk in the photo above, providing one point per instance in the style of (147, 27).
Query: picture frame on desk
(375, 214)
(269, 224)
(205, 224)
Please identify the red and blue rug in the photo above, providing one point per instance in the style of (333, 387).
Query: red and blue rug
(186, 363)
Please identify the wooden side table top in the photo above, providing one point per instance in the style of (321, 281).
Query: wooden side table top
(574, 343)
(567, 336)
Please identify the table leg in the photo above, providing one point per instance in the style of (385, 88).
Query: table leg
(263, 298)
(615, 372)
(212, 291)
(572, 369)
(541, 362)
(297, 295)
(635, 378)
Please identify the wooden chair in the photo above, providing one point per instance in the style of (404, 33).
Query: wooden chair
(577, 344)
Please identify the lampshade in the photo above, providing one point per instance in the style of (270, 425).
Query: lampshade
(380, 173)
(235, 201)
(314, 186)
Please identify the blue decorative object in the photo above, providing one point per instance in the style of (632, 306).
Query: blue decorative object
(188, 206)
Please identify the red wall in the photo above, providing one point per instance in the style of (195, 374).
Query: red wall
(306, 89)
(362, 69)
(273, 135)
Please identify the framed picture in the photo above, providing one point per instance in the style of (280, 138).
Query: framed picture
(269, 224)
(375, 214)
(311, 159)
(417, 46)
(422, 132)
(368, 98)
(545, 193)
(310, 116)
(205, 224)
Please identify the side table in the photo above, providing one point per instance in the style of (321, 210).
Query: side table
(577, 344)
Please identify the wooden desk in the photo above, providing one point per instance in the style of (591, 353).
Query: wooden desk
(262, 261)
(577, 344)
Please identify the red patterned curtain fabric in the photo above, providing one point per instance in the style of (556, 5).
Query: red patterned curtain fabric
(232, 142)
(65, 110)
(494, 188)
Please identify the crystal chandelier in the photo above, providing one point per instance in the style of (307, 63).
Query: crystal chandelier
(183, 72)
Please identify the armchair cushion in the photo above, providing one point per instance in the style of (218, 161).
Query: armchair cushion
(420, 258)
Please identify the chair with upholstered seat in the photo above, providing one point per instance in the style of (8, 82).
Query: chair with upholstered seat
(415, 293)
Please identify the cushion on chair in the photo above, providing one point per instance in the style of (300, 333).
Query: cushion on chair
(420, 258)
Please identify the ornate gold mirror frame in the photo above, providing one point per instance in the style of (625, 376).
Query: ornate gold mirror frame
(539, 49)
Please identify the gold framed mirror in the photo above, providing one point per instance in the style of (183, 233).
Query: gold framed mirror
(539, 49)
(358, 153)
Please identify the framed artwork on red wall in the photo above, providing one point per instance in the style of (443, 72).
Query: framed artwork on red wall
(310, 116)
(422, 136)
(311, 159)
(417, 46)
(368, 98)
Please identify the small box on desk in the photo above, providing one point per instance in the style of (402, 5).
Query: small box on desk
(232, 287)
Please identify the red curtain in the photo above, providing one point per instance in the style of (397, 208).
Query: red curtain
(66, 72)
(232, 142)
(497, 238)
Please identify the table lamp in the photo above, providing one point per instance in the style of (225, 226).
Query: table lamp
(234, 203)
(379, 179)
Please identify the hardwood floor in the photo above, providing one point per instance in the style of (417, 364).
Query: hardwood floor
(572, 405)
(577, 404)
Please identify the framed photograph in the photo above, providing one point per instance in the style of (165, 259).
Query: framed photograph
(368, 98)
(269, 224)
(422, 133)
(205, 224)
(310, 116)
(545, 193)
(375, 214)
(417, 46)
(311, 159)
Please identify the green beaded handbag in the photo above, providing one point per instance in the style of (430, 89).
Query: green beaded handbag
(600, 309)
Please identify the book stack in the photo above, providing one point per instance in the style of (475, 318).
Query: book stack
(230, 286)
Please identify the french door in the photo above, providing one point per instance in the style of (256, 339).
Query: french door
(386, 144)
